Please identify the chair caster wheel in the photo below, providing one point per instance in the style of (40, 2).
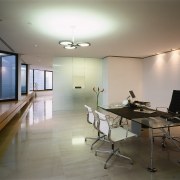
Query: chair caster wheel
(95, 153)
(131, 163)
(105, 167)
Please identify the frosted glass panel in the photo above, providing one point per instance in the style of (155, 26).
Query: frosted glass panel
(78, 73)
(71, 72)
(78, 82)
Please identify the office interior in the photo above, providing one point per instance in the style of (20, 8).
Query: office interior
(48, 143)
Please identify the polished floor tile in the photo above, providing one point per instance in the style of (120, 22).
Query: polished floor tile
(49, 145)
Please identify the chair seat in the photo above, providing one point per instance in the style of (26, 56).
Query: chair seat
(118, 134)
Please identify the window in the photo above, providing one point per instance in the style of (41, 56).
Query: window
(31, 80)
(24, 76)
(38, 80)
(8, 76)
(48, 80)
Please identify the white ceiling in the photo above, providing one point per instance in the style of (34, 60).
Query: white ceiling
(133, 28)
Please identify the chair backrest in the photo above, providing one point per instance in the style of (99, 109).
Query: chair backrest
(174, 106)
(103, 123)
(90, 115)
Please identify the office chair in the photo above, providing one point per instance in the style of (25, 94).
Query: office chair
(114, 135)
(91, 120)
(174, 111)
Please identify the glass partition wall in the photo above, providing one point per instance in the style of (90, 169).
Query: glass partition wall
(8, 76)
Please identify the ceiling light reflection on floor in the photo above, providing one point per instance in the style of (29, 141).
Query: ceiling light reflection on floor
(78, 140)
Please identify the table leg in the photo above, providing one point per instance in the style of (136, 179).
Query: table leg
(151, 168)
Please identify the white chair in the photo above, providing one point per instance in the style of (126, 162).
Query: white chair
(91, 120)
(114, 135)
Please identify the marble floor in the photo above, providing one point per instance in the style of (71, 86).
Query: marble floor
(49, 145)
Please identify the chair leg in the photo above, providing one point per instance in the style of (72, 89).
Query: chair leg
(95, 142)
(174, 138)
(102, 138)
(113, 152)
(86, 138)
(102, 151)
(105, 167)
(117, 152)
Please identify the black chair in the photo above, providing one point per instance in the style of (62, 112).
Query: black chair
(174, 111)
(174, 106)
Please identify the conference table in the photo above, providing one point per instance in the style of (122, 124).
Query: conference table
(149, 118)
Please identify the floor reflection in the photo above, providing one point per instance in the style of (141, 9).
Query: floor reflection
(16, 132)
(40, 111)
(50, 145)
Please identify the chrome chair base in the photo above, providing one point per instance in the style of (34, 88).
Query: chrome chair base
(112, 152)
(167, 136)
(99, 138)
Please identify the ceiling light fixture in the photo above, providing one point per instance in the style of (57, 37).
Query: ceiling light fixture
(71, 44)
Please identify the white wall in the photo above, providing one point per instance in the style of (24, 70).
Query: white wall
(122, 75)
(65, 70)
(152, 79)
(161, 75)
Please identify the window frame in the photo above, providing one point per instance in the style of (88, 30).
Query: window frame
(44, 89)
(46, 82)
(26, 80)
